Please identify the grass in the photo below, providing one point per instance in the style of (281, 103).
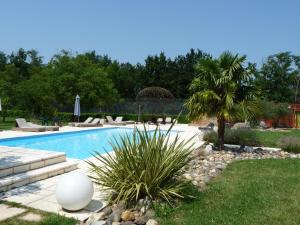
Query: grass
(267, 138)
(47, 218)
(8, 124)
(271, 138)
(260, 192)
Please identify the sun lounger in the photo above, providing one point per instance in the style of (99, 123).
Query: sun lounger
(75, 124)
(209, 127)
(48, 128)
(118, 121)
(168, 120)
(22, 125)
(94, 123)
(102, 121)
(159, 120)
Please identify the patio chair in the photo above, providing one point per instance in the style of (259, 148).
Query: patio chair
(102, 121)
(47, 128)
(75, 124)
(118, 121)
(159, 120)
(22, 125)
(168, 120)
(94, 123)
(209, 127)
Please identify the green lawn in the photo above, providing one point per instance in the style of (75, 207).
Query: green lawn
(271, 138)
(260, 192)
(47, 218)
(8, 124)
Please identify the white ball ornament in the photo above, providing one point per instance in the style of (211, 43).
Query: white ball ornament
(74, 191)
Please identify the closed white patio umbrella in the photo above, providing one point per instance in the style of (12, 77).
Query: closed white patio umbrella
(77, 107)
(0, 105)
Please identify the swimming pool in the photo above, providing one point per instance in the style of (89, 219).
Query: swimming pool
(76, 144)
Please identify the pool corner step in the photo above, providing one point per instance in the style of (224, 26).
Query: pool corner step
(17, 160)
(17, 180)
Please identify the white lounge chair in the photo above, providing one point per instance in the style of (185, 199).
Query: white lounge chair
(168, 120)
(159, 120)
(94, 123)
(31, 127)
(102, 121)
(75, 124)
(118, 121)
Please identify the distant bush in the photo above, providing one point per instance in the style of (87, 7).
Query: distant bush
(290, 144)
(273, 111)
(235, 137)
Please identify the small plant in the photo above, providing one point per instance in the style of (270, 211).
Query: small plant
(290, 144)
(143, 164)
(237, 137)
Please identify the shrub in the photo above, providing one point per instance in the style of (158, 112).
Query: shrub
(274, 111)
(290, 144)
(141, 165)
(236, 137)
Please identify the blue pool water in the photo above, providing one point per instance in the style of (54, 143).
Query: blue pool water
(78, 144)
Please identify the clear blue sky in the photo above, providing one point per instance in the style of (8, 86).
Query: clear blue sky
(129, 30)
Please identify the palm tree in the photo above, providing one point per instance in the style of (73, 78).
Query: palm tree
(223, 88)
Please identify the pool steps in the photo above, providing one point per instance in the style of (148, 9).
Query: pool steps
(19, 166)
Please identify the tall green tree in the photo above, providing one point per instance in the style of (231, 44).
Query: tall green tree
(223, 89)
(277, 78)
(80, 75)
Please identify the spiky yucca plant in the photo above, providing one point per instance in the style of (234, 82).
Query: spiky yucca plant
(143, 164)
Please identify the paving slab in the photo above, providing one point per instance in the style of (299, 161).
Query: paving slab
(8, 212)
(31, 217)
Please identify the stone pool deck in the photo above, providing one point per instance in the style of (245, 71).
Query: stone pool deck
(38, 190)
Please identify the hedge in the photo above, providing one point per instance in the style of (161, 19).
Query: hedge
(66, 117)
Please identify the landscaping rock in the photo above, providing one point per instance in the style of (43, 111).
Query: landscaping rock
(150, 213)
(208, 149)
(115, 223)
(107, 210)
(100, 222)
(127, 223)
(115, 216)
(127, 215)
(95, 217)
(152, 222)
(141, 220)
(248, 149)
(202, 168)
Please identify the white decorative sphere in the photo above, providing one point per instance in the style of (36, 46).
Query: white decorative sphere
(74, 191)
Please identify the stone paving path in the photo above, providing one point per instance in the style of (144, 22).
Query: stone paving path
(31, 217)
(8, 212)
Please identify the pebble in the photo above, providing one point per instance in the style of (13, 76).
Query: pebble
(204, 167)
(152, 222)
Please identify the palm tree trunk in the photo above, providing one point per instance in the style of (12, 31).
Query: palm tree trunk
(221, 131)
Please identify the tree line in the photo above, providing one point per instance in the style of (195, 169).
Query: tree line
(28, 83)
